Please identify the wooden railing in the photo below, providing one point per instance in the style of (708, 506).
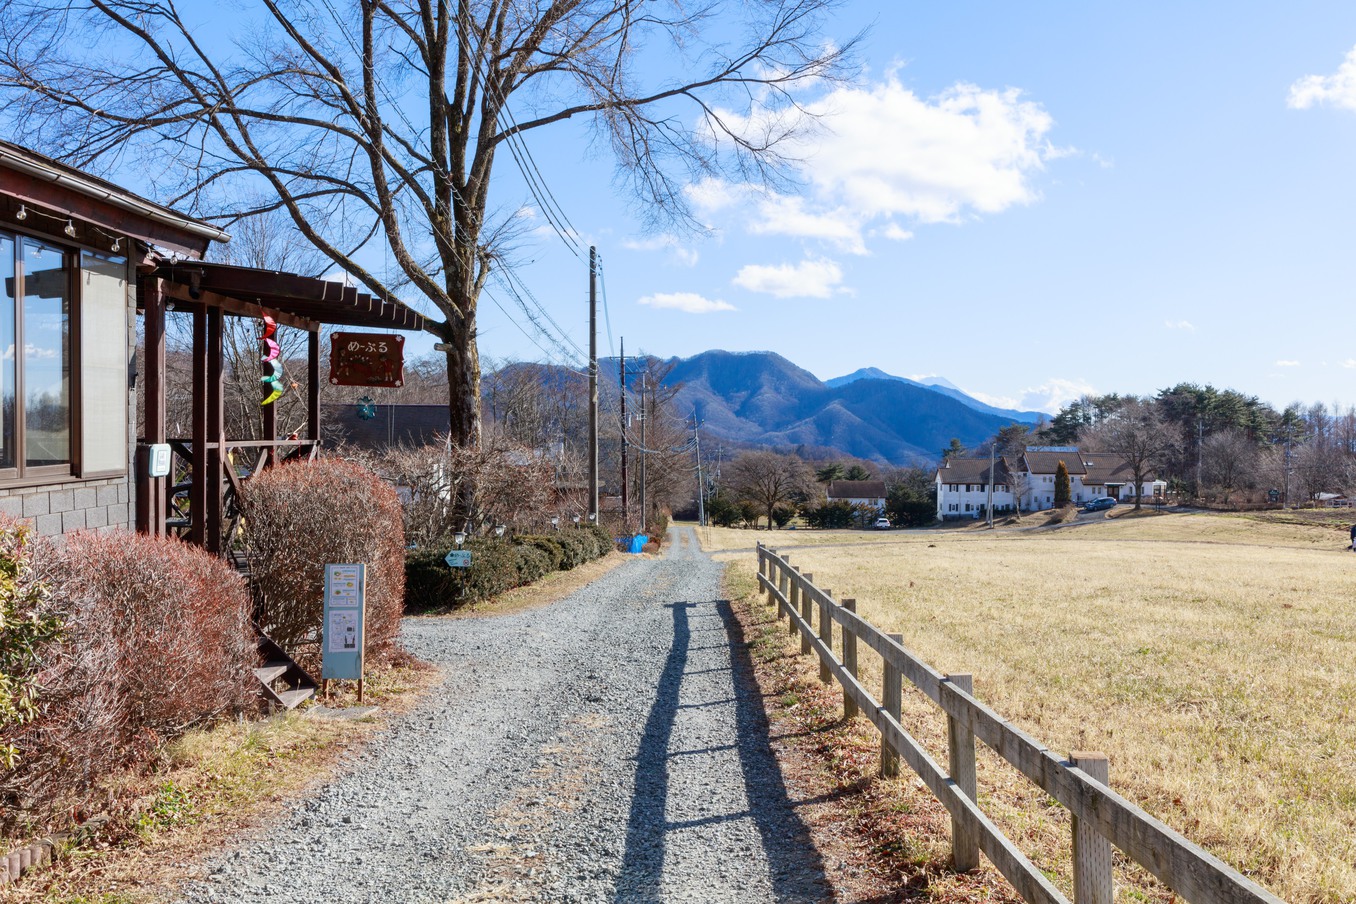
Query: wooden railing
(1101, 817)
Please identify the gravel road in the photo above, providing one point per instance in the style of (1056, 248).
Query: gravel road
(609, 747)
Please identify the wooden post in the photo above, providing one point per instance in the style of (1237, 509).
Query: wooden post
(892, 702)
(1093, 882)
(197, 498)
(793, 599)
(313, 385)
(215, 474)
(849, 662)
(961, 746)
(784, 580)
(152, 495)
(826, 635)
(805, 606)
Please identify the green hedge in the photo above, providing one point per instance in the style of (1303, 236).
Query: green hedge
(496, 566)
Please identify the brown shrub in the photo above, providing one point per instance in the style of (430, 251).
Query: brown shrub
(304, 515)
(156, 639)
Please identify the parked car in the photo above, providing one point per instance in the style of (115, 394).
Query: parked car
(882, 524)
(1097, 505)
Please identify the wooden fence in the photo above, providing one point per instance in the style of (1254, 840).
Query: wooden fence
(1101, 817)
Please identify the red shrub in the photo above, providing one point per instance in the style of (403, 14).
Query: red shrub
(157, 639)
(300, 517)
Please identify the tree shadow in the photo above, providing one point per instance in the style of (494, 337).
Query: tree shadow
(795, 868)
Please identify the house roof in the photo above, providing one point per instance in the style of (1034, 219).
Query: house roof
(390, 427)
(52, 192)
(1106, 466)
(1042, 462)
(856, 489)
(972, 470)
(247, 291)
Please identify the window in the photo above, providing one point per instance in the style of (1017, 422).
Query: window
(44, 309)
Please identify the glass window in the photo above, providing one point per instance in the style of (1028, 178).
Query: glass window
(45, 325)
(7, 385)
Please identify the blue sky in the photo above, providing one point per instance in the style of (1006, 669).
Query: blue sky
(1031, 200)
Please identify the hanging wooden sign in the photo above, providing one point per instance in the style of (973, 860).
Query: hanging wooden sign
(367, 359)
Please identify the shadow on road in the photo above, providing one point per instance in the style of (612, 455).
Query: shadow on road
(795, 869)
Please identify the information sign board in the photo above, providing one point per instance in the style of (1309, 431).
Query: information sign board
(345, 606)
(367, 359)
(458, 558)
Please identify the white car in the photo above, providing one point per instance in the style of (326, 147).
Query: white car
(882, 524)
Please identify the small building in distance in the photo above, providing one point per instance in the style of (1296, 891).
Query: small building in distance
(869, 493)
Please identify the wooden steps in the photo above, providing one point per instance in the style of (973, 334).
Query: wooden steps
(282, 681)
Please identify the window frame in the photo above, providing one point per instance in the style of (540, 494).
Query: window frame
(22, 474)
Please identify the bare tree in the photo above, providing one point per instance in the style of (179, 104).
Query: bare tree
(375, 124)
(1139, 432)
(768, 479)
(1229, 462)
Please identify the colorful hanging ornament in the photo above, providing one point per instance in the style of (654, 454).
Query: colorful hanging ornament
(273, 371)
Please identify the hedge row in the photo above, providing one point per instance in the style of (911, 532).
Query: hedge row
(496, 566)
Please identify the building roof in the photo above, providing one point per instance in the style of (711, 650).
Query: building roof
(301, 300)
(856, 489)
(972, 470)
(1040, 461)
(53, 193)
(391, 426)
(1106, 466)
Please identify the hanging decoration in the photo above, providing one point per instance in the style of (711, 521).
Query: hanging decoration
(272, 378)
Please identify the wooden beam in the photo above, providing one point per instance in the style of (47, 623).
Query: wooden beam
(182, 292)
(313, 386)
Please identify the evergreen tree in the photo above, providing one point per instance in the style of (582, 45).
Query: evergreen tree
(1062, 493)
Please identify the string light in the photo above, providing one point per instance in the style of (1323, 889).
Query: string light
(70, 228)
(22, 214)
(117, 245)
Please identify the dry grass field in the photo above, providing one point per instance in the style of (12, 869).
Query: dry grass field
(1210, 656)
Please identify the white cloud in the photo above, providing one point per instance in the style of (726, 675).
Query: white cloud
(1338, 89)
(1184, 325)
(880, 151)
(1287, 364)
(1349, 363)
(895, 233)
(808, 279)
(1048, 397)
(687, 302)
(667, 242)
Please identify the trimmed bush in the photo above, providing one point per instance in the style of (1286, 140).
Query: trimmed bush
(606, 542)
(577, 549)
(555, 552)
(431, 585)
(157, 639)
(27, 625)
(533, 564)
(306, 514)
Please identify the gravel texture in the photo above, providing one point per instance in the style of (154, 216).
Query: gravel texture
(609, 747)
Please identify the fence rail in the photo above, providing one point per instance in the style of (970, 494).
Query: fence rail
(1101, 817)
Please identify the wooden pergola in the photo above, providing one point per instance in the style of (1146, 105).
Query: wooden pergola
(210, 293)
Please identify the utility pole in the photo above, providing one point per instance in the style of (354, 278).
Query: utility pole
(993, 455)
(701, 485)
(621, 366)
(644, 447)
(593, 384)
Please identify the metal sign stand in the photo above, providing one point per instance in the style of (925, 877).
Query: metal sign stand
(343, 630)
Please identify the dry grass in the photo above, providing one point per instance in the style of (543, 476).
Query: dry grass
(1210, 656)
(210, 785)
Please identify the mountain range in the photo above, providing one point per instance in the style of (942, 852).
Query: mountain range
(745, 399)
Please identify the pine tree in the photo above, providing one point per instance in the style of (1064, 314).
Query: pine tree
(1062, 492)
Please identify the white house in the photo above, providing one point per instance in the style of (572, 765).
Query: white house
(963, 492)
(858, 492)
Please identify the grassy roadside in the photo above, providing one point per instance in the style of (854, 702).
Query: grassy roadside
(879, 839)
(216, 783)
(1207, 654)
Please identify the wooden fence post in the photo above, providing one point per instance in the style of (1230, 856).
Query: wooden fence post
(762, 562)
(892, 702)
(783, 582)
(1093, 881)
(806, 604)
(849, 662)
(793, 601)
(961, 747)
(826, 635)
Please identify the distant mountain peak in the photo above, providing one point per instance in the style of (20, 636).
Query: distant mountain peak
(935, 384)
